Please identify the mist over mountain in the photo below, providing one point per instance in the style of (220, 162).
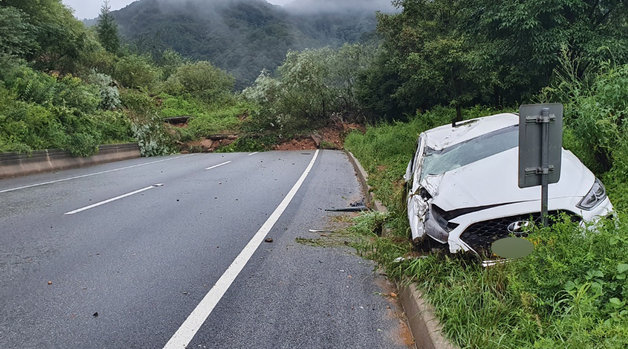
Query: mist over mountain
(335, 6)
(245, 36)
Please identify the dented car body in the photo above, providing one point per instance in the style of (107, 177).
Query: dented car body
(463, 186)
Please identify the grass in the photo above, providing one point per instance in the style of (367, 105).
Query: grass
(570, 293)
(206, 119)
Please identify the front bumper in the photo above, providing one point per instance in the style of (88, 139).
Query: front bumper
(470, 232)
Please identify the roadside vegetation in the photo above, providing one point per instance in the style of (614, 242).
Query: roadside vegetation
(572, 291)
(438, 60)
(66, 86)
(70, 87)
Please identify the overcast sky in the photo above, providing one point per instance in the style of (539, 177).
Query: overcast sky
(91, 8)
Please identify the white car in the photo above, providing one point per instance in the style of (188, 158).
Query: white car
(463, 186)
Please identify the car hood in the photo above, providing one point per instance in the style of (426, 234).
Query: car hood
(494, 181)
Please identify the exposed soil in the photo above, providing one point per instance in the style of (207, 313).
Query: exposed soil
(306, 143)
(329, 137)
(205, 145)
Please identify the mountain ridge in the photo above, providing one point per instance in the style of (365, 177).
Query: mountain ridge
(242, 37)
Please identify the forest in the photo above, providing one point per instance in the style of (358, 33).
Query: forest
(243, 37)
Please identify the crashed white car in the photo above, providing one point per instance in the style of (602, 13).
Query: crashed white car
(463, 186)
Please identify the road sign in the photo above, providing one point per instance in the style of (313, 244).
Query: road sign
(540, 147)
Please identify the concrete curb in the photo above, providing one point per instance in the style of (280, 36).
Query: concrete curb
(424, 325)
(14, 164)
(363, 177)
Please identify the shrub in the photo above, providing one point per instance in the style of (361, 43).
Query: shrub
(40, 111)
(138, 103)
(25, 127)
(172, 106)
(30, 85)
(109, 94)
(152, 138)
(137, 72)
(72, 92)
(200, 79)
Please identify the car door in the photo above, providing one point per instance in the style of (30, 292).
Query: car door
(416, 205)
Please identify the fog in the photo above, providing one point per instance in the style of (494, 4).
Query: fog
(326, 6)
(91, 9)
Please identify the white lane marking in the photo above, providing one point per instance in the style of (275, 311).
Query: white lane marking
(195, 320)
(113, 199)
(223, 164)
(254, 153)
(91, 174)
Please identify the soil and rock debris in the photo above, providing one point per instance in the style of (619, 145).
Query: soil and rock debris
(329, 137)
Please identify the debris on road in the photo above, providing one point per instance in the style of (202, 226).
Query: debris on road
(269, 240)
(348, 209)
(359, 203)
(357, 206)
(49, 282)
(320, 231)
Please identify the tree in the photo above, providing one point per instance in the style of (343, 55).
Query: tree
(108, 29)
(60, 38)
(18, 36)
(464, 52)
(200, 79)
(434, 57)
(135, 71)
(528, 37)
(170, 61)
(312, 86)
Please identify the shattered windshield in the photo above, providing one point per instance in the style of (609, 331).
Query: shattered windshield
(436, 162)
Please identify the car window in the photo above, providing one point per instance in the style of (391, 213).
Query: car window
(436, 162)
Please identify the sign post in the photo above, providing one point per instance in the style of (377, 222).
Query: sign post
(540, 148)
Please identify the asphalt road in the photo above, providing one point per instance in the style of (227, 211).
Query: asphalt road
(123, 255)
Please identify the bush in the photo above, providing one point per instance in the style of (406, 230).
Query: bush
(30, 85)
(40, 111)
(138, 103)
(137, 72)
(72, 92)
(596, 110)
(25, 127)
(200, 79)
(600, 119)
(249, 143)
(109, 94)
(152, 138)
(173, 106)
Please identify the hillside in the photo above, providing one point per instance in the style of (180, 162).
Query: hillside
(243, 36)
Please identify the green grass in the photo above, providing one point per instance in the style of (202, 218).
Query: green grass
(570, 293)
(205, 119)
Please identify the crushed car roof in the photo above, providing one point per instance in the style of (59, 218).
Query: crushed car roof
(445, 136)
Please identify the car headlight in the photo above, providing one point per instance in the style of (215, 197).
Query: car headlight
(594, 197)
